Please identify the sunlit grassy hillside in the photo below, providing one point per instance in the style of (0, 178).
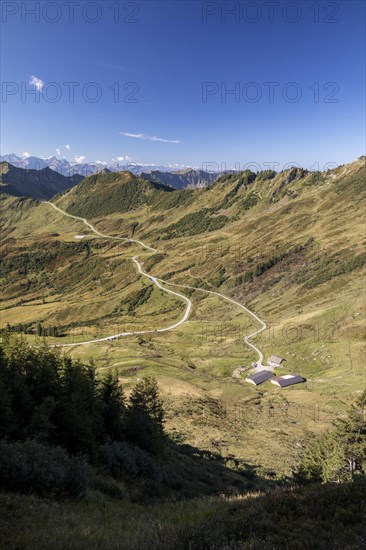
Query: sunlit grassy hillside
(288, 246)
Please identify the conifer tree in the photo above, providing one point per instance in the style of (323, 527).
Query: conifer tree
(352, 433)
(78, 414)
(340, 453)
(113, 406)
(145, 416)
(7, 418)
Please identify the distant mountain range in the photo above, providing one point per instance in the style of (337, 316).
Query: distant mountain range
(62, 166)
(67, 168)
(179, 179)
(38, 184)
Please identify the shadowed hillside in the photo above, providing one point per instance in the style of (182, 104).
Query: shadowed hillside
(181, 179)
(82, 465)
(332, 516)
(37, 184)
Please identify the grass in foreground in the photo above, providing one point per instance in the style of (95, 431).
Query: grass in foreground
(315, 517)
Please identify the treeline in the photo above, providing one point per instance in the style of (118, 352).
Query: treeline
(243, 179)
(262, 267)
(195, 223)
(180, 197)
(219, 278)
(23, 328)
(314, 178)
(251, 200)
(246, 177)
(266, 175)
(338, 455)
(36, 259)
(60, 402)
(35, 328)
(64, 431)
(327, 272)
(150, 262)
(54, 331)
(137, 299)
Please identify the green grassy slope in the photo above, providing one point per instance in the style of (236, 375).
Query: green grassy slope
(103, 194)
(290, 247)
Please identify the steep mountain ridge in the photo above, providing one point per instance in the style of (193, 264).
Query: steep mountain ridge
(37, 184)
(60, 165)
(182, 179)
(109, 192)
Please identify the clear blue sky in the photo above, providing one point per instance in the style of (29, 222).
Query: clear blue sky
(169, 52)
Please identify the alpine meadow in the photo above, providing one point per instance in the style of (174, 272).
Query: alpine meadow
(182, 337)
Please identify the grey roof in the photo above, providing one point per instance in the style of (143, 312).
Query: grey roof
(259, 377)
(288, 380)
(276, 359)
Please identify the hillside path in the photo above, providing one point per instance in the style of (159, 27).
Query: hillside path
(157, 282)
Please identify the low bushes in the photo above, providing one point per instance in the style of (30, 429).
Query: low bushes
(251, 200)
(266, 175)
(327, 271)
(137, 299)
(123, 459)
(195, 223)
(31, 467)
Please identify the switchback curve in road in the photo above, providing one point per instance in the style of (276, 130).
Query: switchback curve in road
(157, 282)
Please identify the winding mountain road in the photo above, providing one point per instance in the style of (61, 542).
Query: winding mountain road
(157, 282)
(85, 221)
(264, 326)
